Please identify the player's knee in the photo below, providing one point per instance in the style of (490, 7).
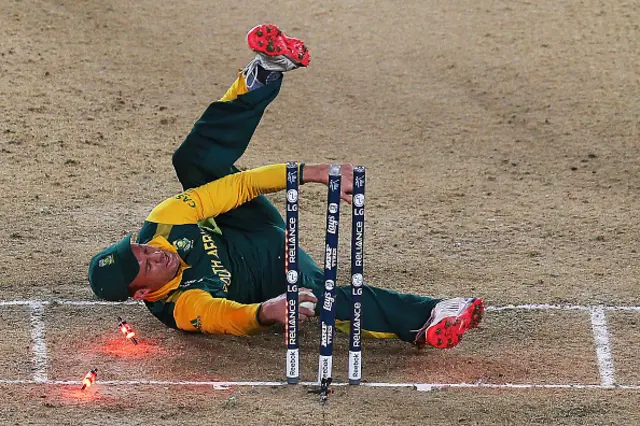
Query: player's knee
(180, 158)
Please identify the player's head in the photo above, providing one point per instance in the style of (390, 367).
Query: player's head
(128, 269)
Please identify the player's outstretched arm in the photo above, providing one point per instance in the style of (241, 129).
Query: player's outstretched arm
(197, 310)
(231, 191)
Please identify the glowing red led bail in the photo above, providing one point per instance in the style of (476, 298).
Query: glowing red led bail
(127, 331)
(89, 379)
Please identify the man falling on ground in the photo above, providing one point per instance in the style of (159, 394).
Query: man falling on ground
(211, 259)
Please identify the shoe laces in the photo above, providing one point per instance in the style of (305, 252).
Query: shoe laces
(250, 73)
(274, 68)
(451, 307)
(277, 63)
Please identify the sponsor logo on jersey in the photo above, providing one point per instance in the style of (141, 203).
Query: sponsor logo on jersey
(196, 323)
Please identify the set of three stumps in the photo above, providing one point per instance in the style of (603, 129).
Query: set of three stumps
(327, 311)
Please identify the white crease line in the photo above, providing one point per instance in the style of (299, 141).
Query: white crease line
(38, 343)
(169, 383)
(525, 307)
(603, 349)
(94, 302)
(67, 302)
(622, 308)
(424, 387)
(538, 307)
(16, 302)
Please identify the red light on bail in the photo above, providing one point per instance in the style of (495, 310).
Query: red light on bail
(89, 379)
(127, 331)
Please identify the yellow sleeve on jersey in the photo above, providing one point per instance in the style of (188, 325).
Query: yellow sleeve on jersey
(197, 310)
(219, 196)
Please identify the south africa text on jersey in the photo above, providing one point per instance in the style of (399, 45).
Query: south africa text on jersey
(216, 264)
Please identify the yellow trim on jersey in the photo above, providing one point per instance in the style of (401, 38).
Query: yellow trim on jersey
(197, 310)
(219, 196)
(163, 230)
(210, 225)
(345, 327)
(162, 243)
(239, 87)
(174, 297)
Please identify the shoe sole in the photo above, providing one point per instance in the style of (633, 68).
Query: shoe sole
(448, 332)
(269, 40)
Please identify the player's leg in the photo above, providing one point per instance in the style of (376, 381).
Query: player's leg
(388, 314)
(415, 319)
(385, 313)
(222, 134)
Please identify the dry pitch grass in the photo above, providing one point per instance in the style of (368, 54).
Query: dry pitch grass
(501, 139)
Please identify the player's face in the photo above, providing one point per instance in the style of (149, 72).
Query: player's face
(157, 266)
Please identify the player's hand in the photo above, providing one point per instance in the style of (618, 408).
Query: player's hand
(275, 310)
(319, 173)
(346, 185)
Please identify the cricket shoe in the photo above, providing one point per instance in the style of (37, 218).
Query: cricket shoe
(449, 320)
(281, 53)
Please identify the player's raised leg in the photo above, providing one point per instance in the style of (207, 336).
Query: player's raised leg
(223, 132)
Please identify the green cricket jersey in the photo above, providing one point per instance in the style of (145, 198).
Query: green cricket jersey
(197, 299)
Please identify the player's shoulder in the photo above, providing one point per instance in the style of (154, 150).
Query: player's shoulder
(147, 232)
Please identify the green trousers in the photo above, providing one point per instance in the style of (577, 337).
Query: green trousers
(254, 232)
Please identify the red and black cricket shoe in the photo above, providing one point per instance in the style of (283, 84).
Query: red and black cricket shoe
(449, 320)
(269, 40)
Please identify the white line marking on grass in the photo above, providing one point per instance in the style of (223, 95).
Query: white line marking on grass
(538, 307)
(603, 350)
(524, 307)
(94, 302)
(67, 302)
(621, 308)
(16, 302)
(423, 387)
(38, 343)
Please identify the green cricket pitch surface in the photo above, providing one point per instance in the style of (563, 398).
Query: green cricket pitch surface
(500, 141)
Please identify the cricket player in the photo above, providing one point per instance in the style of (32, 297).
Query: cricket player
(211, 259)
